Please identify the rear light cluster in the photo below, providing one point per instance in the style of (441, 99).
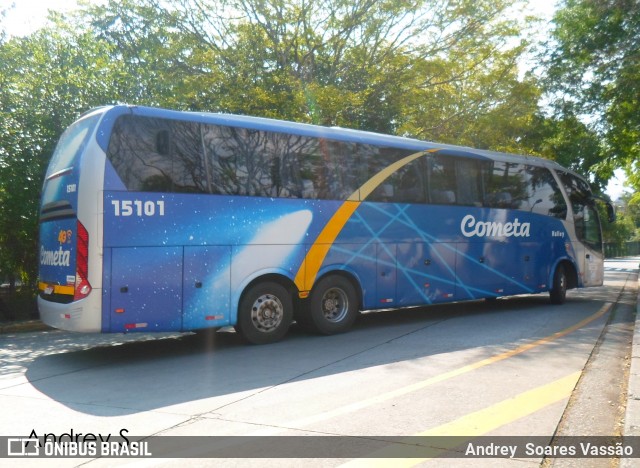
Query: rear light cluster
(83, 288)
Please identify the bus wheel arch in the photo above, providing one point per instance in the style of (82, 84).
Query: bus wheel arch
(265, 309)
(333, 304)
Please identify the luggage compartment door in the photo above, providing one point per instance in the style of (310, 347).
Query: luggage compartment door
(146, 289)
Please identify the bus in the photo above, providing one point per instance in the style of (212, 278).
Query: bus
(160, 220)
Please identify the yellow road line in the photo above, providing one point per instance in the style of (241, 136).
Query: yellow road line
(509, 410)
(446, 375)
(475, 424)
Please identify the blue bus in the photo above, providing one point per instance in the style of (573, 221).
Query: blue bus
(159, 220)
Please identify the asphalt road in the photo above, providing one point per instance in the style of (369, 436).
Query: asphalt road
(511, 367)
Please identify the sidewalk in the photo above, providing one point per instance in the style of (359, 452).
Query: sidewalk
(632, 417)
(20, 327)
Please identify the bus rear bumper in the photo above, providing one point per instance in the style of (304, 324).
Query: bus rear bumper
(80, 316)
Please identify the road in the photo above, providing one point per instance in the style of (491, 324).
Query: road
(512, 367)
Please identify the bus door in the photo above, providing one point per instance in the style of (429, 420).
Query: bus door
(207, 296)
(589, 248)
(146, 289)
(587, 243)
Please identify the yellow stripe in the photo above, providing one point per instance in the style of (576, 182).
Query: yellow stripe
(306, 275)
(475, 424)
(315, 256)
(57, 288)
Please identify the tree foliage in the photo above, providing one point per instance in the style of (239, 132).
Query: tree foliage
(46, 81)
(414, 67)
(569, 142)
(594, 71)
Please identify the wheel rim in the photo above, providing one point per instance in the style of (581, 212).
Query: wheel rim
(335, 305)
(267, 313)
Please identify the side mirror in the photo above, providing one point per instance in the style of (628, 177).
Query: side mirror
(611, 213)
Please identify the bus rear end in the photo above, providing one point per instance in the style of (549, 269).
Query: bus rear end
(69, 296)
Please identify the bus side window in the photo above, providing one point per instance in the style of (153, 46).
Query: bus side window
(468, 180)
(405, 186)
(411, 184)
(577, 190)
(158, 155)
(505, 186)
(163, 143)
(545, 197)
(442, 180)
(188, 172)
(135, 154)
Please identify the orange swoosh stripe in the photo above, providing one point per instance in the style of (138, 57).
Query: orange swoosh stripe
(308, 271)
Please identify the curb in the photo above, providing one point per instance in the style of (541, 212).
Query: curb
(23, 327)
(632, 414)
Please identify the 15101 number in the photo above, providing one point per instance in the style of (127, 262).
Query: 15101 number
(138, 208)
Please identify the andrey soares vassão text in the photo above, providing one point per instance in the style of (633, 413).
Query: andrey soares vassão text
(530, 449)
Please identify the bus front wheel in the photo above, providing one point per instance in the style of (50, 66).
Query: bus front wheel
(558, 292)
(265, 313)
(332, 306)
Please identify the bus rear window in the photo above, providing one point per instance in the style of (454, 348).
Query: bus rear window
(71, 145)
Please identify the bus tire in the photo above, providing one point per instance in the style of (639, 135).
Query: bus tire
(332, 306)
(265, 313)
(558, 291)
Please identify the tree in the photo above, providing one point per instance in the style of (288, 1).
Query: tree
(376, 65)
(630, 211)
(594, 70)
(568, 141)
(46, 81)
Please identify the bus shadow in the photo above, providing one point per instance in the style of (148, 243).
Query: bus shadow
(132, 377)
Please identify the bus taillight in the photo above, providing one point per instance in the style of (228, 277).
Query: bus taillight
(83, 288)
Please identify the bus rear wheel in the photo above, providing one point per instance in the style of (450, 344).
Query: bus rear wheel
(558, 292)
(265, 313)
(332, 306)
